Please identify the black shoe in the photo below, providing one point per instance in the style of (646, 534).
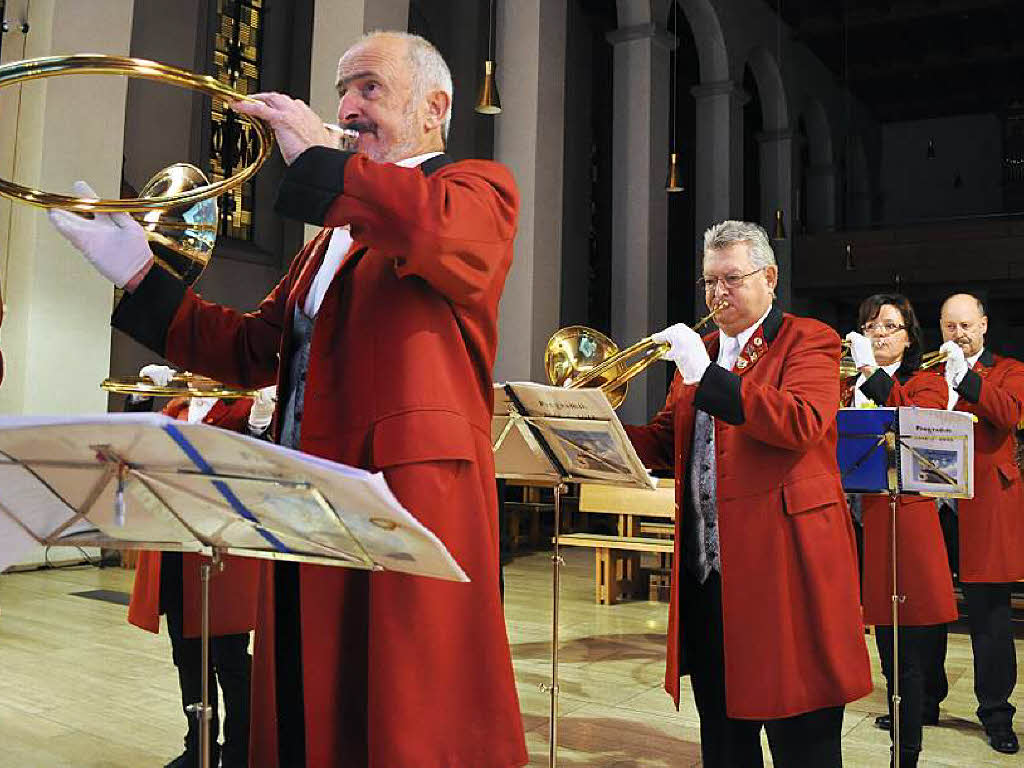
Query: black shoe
(884, 722)
(1003, 740)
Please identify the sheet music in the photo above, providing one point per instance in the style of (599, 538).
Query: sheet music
(936, 452)
(578, 425)
(192, 486)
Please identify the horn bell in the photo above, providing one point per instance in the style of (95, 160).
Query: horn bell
(574, 350)
(182, 238)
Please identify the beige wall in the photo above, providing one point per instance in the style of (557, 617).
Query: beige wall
(56, 336)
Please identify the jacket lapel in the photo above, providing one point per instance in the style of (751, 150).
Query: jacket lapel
(759, 342)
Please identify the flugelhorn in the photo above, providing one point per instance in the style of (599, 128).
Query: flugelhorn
(578, 356)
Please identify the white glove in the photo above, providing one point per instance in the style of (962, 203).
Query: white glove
(956, 363)
(160, 375)
(862, 350)
(688, 351)
(262, 410)
(114, 243)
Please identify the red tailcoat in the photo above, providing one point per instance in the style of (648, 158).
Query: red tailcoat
(232, 591)
(923, 575)
(992, 523)
(397, 670)
(793, 635)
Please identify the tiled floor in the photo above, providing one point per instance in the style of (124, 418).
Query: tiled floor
(80, 687)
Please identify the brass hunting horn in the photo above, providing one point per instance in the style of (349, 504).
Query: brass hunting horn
(177, 207)
(577, 356)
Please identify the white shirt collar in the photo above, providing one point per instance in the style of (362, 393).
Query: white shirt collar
(744, 336)
(974, 358)
(412, 162)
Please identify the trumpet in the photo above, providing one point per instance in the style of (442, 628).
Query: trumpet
(578, 356)
(932, 359)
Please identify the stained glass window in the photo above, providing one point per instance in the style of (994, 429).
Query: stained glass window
(237, 61)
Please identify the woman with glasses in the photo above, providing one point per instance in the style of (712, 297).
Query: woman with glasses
(887, 353)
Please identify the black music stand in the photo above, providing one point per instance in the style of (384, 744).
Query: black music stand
(551, 437)
(922, 451)
(147, 481)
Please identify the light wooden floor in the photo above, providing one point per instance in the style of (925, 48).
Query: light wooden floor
(80, 687)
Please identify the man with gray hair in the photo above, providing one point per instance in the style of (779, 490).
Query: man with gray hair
(765, 612)
(382, 337)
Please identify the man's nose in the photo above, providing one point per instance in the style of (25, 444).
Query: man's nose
(348, 108)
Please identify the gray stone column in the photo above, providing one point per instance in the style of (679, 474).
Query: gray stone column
(777, 193)
(821, 198)
(718, 185)
(56, 333)
(528, 137)
(639, 200)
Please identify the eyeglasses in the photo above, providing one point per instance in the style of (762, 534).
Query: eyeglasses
(731, 281)
(886, 328)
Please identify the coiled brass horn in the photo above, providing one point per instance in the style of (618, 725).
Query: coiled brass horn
(578, 356)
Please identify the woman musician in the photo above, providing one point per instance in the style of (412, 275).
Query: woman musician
(887, 352)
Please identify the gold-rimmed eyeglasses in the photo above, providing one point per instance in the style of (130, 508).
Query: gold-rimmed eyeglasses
(731, 281)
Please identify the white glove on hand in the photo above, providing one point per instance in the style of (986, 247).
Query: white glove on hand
(160, 375)
(262, 411)
(956, 363)
(688, 351)
(114, 243)
(862, 350)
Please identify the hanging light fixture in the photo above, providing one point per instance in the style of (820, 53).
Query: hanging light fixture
(674, 181)
(488, 102)
(779, 230)
(929, 153)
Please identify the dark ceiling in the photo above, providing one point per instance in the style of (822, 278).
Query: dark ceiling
(914, 59)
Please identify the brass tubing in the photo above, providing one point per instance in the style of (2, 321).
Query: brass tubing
(98, 64)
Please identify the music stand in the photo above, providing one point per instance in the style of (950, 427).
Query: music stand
(553, 436)
(141, 480)
(923, 451)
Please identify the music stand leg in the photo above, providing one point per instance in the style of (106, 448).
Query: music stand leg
(202, 709)
(552, 688)
(896, 699)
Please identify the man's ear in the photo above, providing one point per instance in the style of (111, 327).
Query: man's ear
(438, 103)
(771, 274)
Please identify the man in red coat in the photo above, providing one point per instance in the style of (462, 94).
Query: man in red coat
(765, 612)
(169, 583)
(386, 330)
(990, 542)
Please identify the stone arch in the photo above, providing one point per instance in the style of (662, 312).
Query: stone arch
(817, 182)
(774, 101)
(707, 31)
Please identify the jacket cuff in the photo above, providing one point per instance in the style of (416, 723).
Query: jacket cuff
(147, 314)
(719, 395)
(878, 387)
(969, 387)
(311, 183)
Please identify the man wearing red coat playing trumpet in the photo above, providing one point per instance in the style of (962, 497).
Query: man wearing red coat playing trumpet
(987, 545)
(386, 332)
(765, 612)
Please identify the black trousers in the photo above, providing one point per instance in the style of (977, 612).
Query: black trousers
(230, 665)
(810, 739)
(990, 619)
(917, 645)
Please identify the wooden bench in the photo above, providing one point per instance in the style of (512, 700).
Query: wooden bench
(616, 561)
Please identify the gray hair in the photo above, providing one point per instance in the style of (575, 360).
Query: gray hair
(726, 233)
(428, 68)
